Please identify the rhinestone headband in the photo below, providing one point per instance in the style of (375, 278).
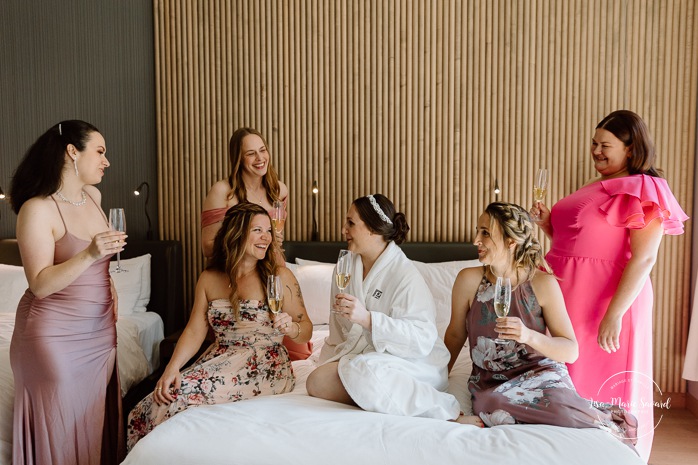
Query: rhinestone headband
(378, 210)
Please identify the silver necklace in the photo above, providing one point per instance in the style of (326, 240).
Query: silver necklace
(79, 203)
(259, 201)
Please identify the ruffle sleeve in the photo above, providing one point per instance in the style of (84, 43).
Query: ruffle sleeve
(634, 201)
(212, 216)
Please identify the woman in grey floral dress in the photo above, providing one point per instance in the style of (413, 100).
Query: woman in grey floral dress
(524, 379)
(247, 358)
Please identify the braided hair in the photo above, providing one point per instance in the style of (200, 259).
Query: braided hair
(515, 224)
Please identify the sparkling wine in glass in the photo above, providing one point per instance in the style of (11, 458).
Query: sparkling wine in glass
(540, 187)
(278, 216)
(343, 271)
(275, 296)
(117, 220)
(502, 301)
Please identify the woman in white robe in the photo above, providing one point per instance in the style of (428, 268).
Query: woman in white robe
(383, 352)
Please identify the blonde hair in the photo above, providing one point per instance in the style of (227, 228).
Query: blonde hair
(515, 224)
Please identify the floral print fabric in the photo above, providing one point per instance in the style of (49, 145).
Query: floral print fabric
(247, 360)
(511, 383)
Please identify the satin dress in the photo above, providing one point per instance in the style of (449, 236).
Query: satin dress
(63, 356)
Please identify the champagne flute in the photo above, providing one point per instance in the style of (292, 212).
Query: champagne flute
(502, 301)
(275, 296)
(117, 220)
(278, 216)
(540, 187)
(342, 272)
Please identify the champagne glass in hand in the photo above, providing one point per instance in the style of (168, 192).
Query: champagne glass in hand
(342, 273)
(275, 296)
(502, 301)
(278, 216)
(117, 220)
(540, 187)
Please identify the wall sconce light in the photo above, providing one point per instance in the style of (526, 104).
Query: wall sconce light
(314, 233)
(2, 194)
(137, 192)
(496, 189)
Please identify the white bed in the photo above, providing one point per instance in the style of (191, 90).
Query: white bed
(294, 428)
(139, 333)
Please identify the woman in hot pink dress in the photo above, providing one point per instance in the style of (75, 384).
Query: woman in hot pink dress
(605, 239)
(63, 351)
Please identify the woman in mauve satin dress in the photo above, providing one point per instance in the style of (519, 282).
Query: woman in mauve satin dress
(605, 238)
(63, 349)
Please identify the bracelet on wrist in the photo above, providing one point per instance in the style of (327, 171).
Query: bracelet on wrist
(298, 327)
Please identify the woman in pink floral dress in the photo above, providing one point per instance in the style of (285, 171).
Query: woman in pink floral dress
(247, 359)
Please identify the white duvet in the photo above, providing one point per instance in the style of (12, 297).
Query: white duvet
(294, 428)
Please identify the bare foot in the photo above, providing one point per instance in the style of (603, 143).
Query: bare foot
(469, 420)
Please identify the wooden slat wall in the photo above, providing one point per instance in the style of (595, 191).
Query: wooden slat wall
(428, 103)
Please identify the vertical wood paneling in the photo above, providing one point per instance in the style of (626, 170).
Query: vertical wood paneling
(428, 103)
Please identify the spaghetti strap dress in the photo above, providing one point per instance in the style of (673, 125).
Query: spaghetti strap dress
(590, 249)
(246, 360)
(510, 383)
(63, 356)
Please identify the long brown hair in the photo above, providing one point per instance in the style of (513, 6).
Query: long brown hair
(270, 181)
(230, 244)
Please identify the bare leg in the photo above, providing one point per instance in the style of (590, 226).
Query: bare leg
(324, 382)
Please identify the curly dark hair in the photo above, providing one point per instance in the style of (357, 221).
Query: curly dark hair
(39, 172)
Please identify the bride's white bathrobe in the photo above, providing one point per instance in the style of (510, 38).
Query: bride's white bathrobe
(399, 366)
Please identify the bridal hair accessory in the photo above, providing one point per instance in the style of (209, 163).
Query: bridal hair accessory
(378, 210)
(60, 131)
(79, 203)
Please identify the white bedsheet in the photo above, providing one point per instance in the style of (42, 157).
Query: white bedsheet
(132, 358)
(294, 428)
(151, 331)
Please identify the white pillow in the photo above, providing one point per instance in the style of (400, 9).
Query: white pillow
(133, 286)
(440, 278)
(13, 284)
(304, 262)
(316, 285)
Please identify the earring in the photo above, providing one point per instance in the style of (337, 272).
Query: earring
(75, 164)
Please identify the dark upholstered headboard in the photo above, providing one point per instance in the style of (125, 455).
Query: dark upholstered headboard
(428, 252)
(166, 275)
